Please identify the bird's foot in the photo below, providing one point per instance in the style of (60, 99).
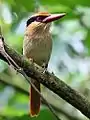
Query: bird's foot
(44, 66)
(45, 70)
(53, 73)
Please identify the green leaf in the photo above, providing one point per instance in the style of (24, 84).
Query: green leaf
(69, 3)
(44, 115)
(56, 2)
(57, 8)
(87, 42)
(16, 41)
(19, 10)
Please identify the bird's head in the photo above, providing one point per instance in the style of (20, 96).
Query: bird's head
(42, 20)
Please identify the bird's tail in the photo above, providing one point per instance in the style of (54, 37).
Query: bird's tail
(35, 99)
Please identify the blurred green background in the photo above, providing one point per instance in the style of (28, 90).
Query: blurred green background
(70, 59)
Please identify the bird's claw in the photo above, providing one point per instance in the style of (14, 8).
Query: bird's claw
(53, 73)
(45, 70)
(44, 66)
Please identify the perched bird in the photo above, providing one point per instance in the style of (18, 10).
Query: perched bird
(37, 45)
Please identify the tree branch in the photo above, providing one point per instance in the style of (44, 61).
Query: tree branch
(50, 81)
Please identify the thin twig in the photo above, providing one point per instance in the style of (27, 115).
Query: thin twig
(29, 81)
(20, 70)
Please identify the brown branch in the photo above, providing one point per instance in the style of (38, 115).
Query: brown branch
(50, 81)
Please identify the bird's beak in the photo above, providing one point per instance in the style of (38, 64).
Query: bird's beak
(53, 17)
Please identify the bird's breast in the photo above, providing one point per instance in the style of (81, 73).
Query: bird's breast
(38, 48)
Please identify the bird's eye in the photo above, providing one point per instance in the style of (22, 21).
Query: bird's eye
(40, 18)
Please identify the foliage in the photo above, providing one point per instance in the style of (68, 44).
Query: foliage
(70, 58)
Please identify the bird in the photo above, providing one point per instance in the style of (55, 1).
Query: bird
(37, 46)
